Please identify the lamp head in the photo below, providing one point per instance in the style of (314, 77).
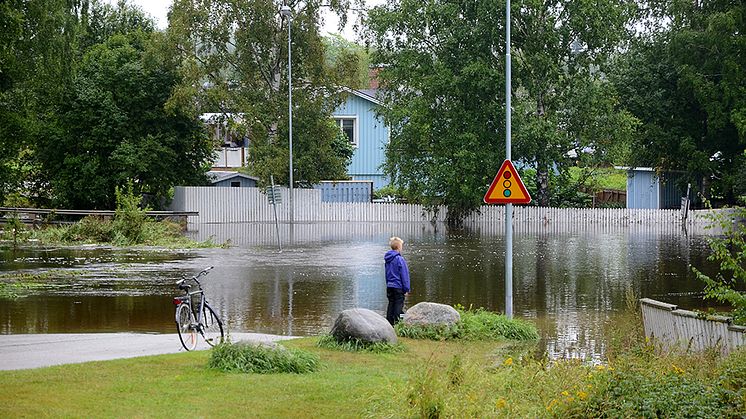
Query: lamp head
(286, 11)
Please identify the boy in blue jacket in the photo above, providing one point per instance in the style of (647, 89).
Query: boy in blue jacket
(397, 279)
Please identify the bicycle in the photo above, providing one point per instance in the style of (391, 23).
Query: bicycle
(194, 315)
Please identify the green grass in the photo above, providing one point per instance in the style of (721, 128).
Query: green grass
(429, 379)
(602, 177)
(356, 345)
(475, 325)
(93, 230)
(260, 359)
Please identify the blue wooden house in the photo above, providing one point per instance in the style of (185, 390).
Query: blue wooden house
(357, 118)
(647, 189)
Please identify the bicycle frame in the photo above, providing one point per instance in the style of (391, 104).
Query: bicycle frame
(199, 322)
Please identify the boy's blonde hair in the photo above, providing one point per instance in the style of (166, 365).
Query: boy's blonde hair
(395, 243)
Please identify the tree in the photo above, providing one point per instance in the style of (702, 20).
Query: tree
(234, 56)
(564, 101)
(37, 49)
(685, 82)
(113, 126)
(444, 97)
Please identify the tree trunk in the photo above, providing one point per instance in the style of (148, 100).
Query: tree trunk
(542, 184)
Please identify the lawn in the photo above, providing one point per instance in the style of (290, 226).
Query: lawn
(421, 378)
(347, 385)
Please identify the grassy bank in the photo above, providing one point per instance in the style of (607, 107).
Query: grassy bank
(427, 379)
(94, 230)
(129, 227)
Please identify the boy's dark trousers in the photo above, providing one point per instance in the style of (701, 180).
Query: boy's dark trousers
(396, 304)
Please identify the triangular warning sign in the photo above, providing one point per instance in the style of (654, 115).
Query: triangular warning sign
(507, 188)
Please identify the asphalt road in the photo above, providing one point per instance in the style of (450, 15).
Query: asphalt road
(34, 351)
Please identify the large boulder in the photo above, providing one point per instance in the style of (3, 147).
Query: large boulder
(431, 314)
(364, 325)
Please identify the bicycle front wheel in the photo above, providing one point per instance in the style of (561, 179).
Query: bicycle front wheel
(212, 327)
(185, 326)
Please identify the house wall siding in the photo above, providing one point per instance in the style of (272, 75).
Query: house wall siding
(372, 140)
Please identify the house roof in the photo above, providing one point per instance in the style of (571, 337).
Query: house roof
(367, 94)
(219, 176)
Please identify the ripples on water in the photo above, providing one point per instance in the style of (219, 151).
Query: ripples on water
(570, 281)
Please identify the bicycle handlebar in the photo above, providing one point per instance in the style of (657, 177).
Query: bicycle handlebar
(194, 278)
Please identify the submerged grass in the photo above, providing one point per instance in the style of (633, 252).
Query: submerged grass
(356, 345)
(475, 325)
(95, 230)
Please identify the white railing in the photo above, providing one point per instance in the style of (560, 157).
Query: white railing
(241, 205)
(672, 328)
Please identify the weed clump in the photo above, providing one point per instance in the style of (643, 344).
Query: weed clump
(475, 325)
(261, 359)
(356, 345)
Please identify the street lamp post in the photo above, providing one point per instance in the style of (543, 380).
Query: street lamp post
(286, 12)
(508, 207)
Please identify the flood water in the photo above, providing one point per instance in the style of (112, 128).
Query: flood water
(570, 282)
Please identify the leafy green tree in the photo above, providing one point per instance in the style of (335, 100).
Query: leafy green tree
(338, 50)
(564, 102)
(234, 58)
(37, 51)
(114, 127)
(684, 81)
(444, 98)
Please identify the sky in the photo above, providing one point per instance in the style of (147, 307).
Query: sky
(159, 9)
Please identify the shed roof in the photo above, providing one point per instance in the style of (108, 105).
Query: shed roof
(219, 176)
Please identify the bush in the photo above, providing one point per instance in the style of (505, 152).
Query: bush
(650, 393)
(89, 229)
(259, 359)
(475, 325)
(129, 218)
(730, 251)
(356, 345)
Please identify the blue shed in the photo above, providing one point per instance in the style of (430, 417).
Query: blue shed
(357, 118)
(232, 179)
(647, 189)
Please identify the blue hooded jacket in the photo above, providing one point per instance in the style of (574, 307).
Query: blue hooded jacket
(397, 272)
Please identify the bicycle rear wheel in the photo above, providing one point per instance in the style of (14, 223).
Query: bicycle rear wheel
(185, 326)
(212, 327)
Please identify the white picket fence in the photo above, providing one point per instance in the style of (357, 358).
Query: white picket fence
(245, 205)
(673, 328)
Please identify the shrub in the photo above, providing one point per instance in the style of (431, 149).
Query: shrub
(356, 345)
(89, 229)
(259, 359)
(129, 218)
(730, 251)
(475, 325)
(732, 380)
(650, 393)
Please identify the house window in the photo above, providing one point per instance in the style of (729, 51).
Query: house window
(235, 184)
(349, 127)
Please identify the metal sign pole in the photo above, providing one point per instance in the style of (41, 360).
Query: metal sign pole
(508, 207)
(275, 196)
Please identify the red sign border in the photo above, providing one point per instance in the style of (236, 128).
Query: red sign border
(507, 164)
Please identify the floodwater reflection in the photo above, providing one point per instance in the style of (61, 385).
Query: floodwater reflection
(569, 282)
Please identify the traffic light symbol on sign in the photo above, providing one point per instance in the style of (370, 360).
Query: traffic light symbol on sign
(507, 188)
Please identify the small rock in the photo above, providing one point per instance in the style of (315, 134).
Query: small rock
(364, 325)
(431, 314)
